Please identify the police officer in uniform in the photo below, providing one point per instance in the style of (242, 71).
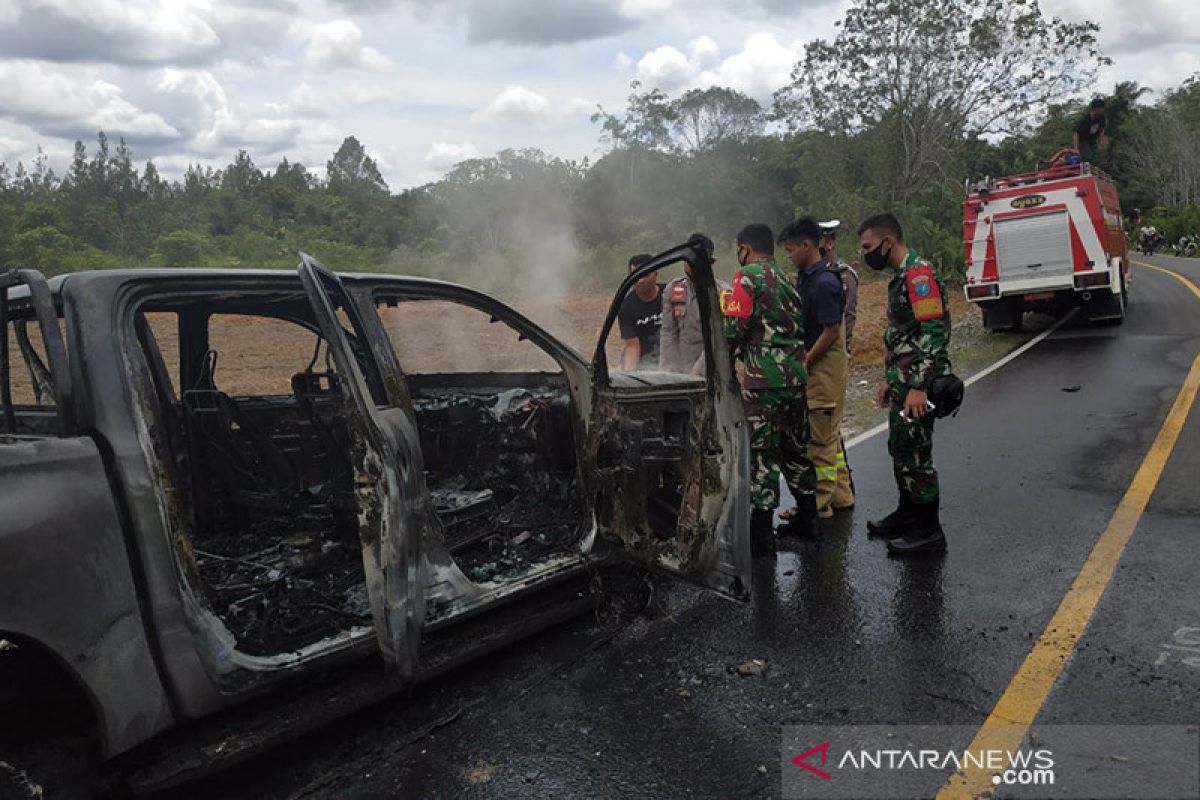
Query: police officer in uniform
(765, 331)
(917, 340)
(681, 338)
(844, 271)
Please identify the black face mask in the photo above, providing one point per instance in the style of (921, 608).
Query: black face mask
(876, 259)
(824, 251)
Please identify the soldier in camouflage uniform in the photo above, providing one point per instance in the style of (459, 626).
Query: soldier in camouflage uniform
(764, 327)
(917, 339)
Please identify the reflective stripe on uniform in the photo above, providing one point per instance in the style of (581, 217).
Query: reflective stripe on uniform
(841, 458)
(827, 474)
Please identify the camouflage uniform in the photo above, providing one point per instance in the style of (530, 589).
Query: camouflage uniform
(764, 327)
(917, 340)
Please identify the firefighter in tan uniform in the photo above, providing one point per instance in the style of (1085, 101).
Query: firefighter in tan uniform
(843, 496)
(824, 301)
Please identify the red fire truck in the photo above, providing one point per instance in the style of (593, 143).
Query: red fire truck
(1045, 241)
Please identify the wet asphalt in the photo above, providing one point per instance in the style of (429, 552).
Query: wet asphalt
(1031, 474)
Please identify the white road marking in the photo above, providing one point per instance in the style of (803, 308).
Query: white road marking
(978, 376)
(1187, 640)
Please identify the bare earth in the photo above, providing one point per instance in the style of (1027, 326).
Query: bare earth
(259, 356)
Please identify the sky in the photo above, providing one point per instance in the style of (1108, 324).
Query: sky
(424, 84)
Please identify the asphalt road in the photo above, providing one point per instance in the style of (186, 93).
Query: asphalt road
(1033, 470)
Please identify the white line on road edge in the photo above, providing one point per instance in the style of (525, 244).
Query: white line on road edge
(978, 376)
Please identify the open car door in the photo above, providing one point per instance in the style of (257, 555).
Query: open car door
(668, 454)
(386, 458)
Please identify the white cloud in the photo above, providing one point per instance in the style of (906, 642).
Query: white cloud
(645, 9)
(763, 65)
(214, 125)
(622, 62)
(666, 68)
(113, 31)
(515, 105)
(305, 101)
(339, 44)
(1140, 27)
(72, 100)
(704, 53)
(578, 106)
(444, 155)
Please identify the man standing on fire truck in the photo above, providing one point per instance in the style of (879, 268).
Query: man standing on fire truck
(1089, 138)
(917, 339)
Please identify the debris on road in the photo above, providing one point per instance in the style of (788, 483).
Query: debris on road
(753, 667)
(1074, 388)
(480, 773)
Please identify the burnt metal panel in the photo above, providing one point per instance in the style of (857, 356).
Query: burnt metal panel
(65, 582)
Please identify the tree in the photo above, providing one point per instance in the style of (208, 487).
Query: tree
(934, 74)
(705, 118)
(45, 249)
(241, 177)
(1161, 150)
(646, 123)
(352, 173)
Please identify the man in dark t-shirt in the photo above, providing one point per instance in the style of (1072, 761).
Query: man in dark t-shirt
(1089, 132)
(640, 318)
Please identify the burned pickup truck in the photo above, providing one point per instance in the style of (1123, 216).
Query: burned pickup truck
(225, 491)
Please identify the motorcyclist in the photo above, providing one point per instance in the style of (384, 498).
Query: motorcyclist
(1148, 239)
(1187, 246)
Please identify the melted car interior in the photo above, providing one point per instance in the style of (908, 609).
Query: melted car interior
(251, 437)
(255, 446)
(498, 435)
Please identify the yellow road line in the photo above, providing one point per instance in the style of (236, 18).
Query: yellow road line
(1175, 275)
(1015, 711)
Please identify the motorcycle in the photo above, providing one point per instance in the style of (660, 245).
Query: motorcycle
(1149, 244)
(1187, 246)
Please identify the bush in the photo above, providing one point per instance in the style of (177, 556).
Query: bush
(52, 252)
(183, 248)
(1176, 223)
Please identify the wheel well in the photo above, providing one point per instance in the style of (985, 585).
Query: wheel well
(39, 694)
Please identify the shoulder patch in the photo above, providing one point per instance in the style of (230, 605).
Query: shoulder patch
(736, 302)
(923, 293)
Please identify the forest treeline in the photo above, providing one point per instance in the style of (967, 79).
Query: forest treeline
(964, 90)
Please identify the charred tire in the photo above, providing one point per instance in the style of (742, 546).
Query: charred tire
(55, 769)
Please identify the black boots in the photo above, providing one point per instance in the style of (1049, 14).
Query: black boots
(803, 523)
(762, 532)
(925, 534)
(897, 523)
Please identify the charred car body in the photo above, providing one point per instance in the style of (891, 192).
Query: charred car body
(174, 545)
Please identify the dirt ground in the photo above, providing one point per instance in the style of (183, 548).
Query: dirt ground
(259, 356)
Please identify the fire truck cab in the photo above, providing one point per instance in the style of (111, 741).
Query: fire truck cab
(1046, 241)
